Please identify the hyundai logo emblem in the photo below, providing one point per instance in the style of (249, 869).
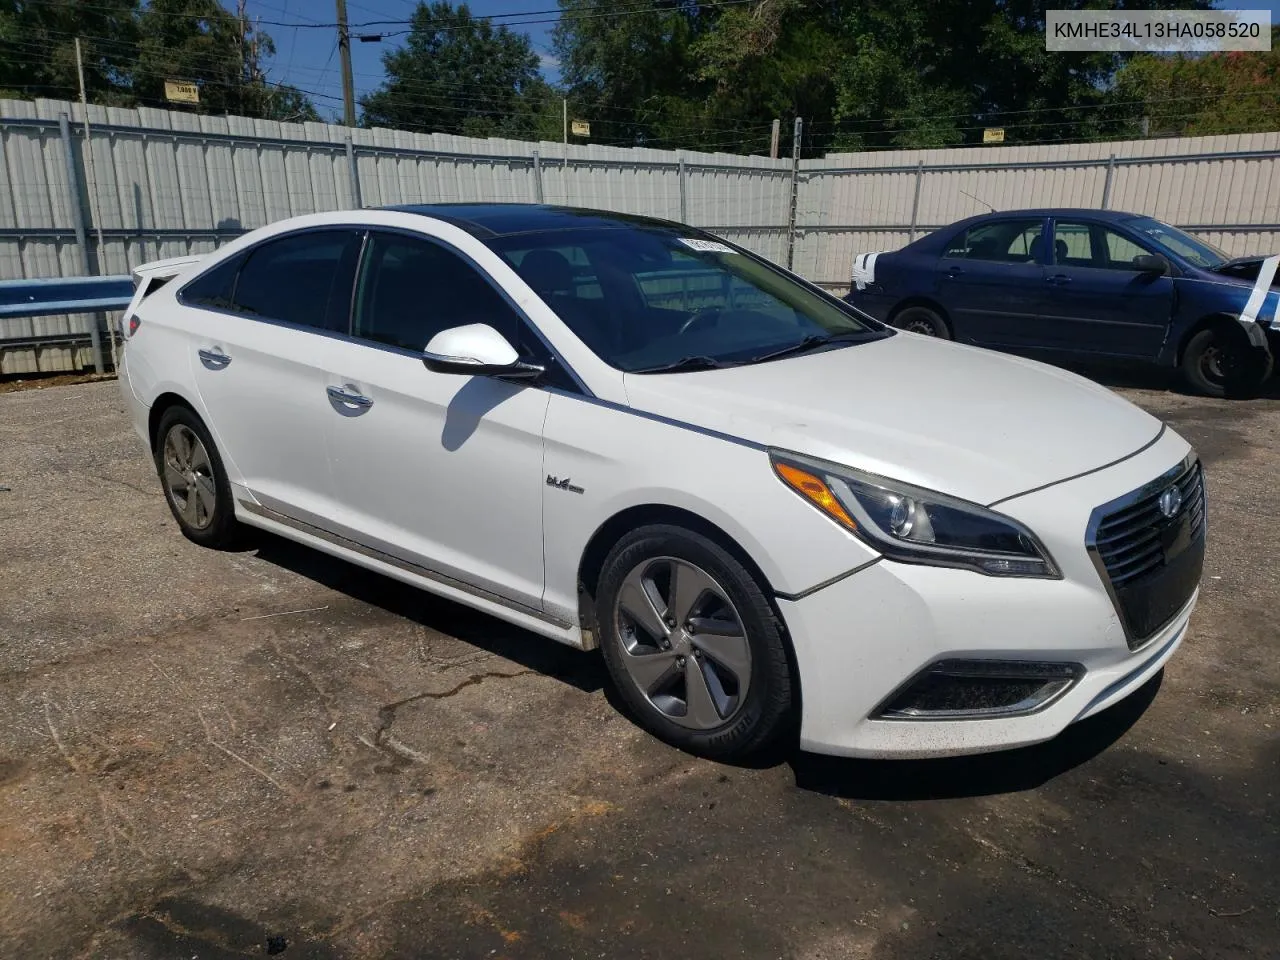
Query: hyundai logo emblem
(1170, 502)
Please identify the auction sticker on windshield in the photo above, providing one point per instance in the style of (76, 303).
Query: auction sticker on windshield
(706, 246)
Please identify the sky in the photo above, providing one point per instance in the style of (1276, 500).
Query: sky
(307, 57)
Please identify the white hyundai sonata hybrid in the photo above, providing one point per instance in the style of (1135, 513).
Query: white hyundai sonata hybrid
(773, 514)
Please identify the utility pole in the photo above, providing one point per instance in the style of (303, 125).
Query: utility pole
(344, 48)
(240, 23)
(773, 143)
(93, 192)
(564, 118)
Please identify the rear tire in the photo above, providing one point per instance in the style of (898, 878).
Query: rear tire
(194, 480)
(702, 665)
(1219, 361)
(922, 320)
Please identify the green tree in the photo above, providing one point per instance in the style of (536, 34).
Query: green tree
(1216, 93)
(201, 41)
(37, 48)
(462, 75)
(129, 52)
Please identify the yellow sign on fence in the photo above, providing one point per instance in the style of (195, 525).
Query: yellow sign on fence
(181, 92)
(993, 135)
(580, 128)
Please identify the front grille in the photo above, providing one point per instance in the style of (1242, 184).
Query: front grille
(1152, 563)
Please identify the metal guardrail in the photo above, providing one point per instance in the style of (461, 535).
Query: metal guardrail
(56, 295)
(20, 299)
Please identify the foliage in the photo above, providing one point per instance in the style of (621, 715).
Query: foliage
(462, 75)
(1184, 95)
(863, 74)
(129, 51)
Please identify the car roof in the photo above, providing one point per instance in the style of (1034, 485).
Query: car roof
(485, 221)
(1109, 216)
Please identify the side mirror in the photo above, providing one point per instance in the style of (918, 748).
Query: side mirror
(1151, 263)
(476, 350)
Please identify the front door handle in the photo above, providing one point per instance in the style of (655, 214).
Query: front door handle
(954, 271)
(342, 395)
(1058, 278)
(214, 359)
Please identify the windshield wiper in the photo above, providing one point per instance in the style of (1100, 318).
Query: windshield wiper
(813, 342)
(687, 363)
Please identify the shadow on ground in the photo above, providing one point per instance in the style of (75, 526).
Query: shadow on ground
(982, 775)
(584, 671)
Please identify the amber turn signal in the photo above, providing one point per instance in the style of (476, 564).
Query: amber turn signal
(815, 490)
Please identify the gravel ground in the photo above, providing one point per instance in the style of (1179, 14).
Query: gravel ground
(236, 754)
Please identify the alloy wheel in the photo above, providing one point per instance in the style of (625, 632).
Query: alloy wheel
(683, 643)
(920, 326)
(188, 477)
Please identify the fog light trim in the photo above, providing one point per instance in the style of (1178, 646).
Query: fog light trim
(1025, 686)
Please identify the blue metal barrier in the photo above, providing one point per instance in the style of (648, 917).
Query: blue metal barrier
(40, 298)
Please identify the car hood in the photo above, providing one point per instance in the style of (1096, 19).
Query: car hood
(1245, 269)
(973, 423)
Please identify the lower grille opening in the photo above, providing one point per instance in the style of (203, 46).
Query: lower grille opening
(979, 689)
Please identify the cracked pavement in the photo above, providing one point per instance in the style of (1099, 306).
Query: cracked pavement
(223, 755)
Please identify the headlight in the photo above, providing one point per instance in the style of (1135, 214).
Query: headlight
(915, 525)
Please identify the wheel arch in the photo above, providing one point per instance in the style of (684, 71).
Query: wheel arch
(591, 565)
(159, 407)
(930, 303)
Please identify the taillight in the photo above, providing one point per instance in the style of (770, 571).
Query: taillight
(134, 322)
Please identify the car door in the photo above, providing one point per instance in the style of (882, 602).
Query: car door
(1095, 301)
(259, 325)
(441, 470)
(989, 277)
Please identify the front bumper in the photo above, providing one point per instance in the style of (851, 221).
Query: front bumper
(863, 637)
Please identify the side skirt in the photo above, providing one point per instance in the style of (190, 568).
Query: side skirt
(413, 574)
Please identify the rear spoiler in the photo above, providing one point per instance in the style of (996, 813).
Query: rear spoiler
(150, 277)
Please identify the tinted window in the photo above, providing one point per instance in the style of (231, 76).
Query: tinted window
(410, 289)
(643, 297)
(1004, 241)
(304, 278)
(215, 287)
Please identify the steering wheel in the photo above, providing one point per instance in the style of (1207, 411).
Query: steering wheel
(706, 317)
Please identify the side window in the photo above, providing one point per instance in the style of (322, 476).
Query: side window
(1004, 241)
(410, 289)
(303, 278)
(214, 287)
(1121, 250)
(1073, 245)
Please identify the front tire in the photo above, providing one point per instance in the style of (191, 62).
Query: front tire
(692, 644)
(194, 480)
(1219, 361)
(922, 320)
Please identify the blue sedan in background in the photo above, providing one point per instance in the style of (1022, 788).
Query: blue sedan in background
(1082, 285)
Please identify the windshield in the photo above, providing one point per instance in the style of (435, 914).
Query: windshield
(1181, 244)
(655, 298)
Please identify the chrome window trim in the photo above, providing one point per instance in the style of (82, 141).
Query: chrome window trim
(1120, 503)
(348, 336)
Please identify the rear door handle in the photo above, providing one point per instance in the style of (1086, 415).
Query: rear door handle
(954, 271)
(341, 395)
(214, 359)
(1058, 278)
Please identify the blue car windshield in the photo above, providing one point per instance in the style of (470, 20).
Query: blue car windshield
(651, 298)
(1181, 244)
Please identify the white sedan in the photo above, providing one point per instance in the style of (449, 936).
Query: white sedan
(774, 515)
